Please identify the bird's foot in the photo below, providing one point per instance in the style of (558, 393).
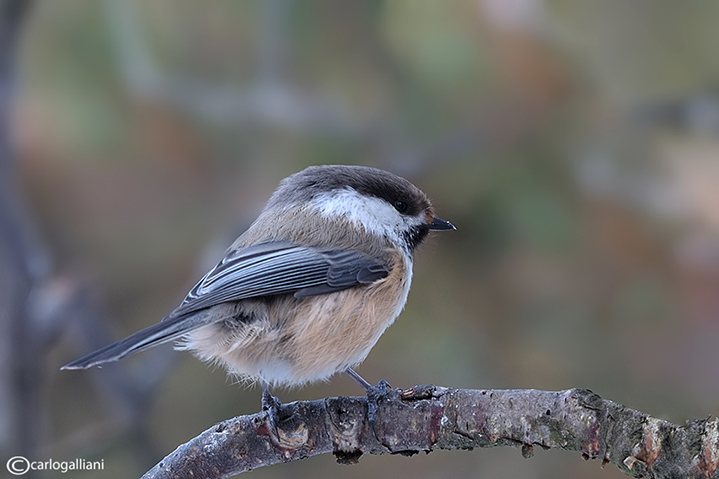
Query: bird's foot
(375, 394)
(271, 405)
(270, 402)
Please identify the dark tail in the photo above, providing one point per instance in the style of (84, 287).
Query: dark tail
(162, 332)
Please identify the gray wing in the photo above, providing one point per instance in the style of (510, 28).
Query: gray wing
(281, 268)
(263, 270)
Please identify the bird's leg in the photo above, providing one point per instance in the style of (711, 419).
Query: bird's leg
(360, 380)
(381, 387)
(374, 394)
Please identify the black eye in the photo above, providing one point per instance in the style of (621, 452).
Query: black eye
(400, 206)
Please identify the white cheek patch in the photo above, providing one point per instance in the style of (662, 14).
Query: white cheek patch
(375, 215)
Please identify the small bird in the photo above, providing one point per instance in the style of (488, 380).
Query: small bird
(309, 288)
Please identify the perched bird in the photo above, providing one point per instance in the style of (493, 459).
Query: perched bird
(309, 288)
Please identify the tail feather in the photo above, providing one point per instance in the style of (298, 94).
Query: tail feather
(162, 332)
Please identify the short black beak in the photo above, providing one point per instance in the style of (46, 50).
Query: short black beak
(438, 224)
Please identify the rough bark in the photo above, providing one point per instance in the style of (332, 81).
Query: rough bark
(427, 418)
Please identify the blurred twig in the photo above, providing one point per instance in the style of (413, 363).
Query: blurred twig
(427, 418)
(272, 100)
(21, 264)
(269, 100)
(35, 306)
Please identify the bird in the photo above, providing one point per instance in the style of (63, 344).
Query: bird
(308, 289)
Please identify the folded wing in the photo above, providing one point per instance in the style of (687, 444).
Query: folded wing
(281, 268)
(258, 271)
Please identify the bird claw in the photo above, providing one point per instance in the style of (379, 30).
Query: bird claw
(270, 402)
(271, 405)
(374, 395)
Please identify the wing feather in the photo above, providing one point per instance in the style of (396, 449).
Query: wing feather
(281, 268)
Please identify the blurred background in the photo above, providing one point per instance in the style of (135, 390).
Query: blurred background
(575, 145)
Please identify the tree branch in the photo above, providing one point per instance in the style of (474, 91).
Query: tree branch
(426, 418)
